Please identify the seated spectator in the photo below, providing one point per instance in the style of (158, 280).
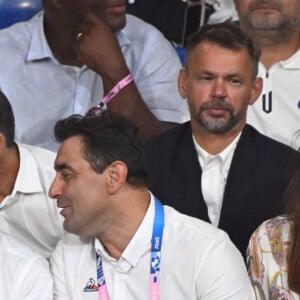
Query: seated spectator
(26, 172)
(273, 253)
(216, 167)
(66, 58)
(101, 186)
(274, 27)
(24, 274)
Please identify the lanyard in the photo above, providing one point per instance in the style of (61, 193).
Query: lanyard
(156, 242)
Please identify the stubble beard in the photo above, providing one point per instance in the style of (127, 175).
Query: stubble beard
(216, 125)
(269, 26)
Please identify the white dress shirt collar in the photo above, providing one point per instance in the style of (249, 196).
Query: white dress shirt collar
(39, 48)
(28, 179)
(225, 156)
(215, 169)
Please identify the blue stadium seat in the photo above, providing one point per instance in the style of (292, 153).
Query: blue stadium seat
(181, 51)
(12, 11)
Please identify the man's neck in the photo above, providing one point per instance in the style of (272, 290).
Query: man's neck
(124, 222)
(61, 37)
(9, 167)
(275, 46)
(276, 53)
(214, 143)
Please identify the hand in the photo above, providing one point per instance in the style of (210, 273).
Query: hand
(99, 49)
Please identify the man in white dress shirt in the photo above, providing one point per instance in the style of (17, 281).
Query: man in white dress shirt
(73, 53)
(119, 229)
(26, 172)
(216, 167)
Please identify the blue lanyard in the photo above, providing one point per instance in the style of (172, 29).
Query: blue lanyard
(156, 242)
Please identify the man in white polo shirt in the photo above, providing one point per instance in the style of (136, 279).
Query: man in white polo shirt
(274, 26)
(124, 243)
(26, 172)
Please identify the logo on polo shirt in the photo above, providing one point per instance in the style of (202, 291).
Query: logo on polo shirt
(267, 102)
(91, 286)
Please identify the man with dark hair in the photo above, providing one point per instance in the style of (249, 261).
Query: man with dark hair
(274, 26)
(75, 53)
(216, 167)
(26, 211)
(123, 231)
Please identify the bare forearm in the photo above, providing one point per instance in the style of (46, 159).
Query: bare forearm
(130, 105)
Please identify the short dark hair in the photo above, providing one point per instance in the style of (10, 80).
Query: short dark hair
(226, 34)
(107, 138)
(7, 121)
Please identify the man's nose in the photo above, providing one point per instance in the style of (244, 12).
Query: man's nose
(55, 188)
(219, 88)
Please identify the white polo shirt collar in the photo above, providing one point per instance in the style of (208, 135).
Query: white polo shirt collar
(293, 62)
(137, 247)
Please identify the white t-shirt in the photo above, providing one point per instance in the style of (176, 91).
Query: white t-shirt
(277, 111)
(42, 91)
(24, 274)
(198, 261)
(28, 213)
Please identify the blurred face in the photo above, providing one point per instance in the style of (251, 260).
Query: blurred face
(112, 12)
(268, 14)
(79, 191)
(219, 86)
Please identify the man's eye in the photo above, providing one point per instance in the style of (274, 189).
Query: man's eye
(235, 81)
(206, 78)
(66, 176)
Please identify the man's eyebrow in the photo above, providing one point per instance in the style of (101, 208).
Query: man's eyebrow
(234, 75)
(62, 166)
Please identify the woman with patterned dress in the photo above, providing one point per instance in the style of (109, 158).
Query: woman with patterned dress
(273, 256)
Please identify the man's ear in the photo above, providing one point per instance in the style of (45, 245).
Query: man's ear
(116, 176)
(181, 82)
(256, 90)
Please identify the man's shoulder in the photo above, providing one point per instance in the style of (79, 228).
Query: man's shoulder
(263, 143)
(72, 243)
(40, 154)
(16, 249)
(19, 32)
(192, 228)
(42, 160)
(170, 138)
(139, 26)
(291, 63)
(145, 37)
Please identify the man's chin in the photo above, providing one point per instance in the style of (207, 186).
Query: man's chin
(220, 126)
(116, 22)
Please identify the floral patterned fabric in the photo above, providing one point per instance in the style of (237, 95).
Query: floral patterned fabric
(267, 260)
